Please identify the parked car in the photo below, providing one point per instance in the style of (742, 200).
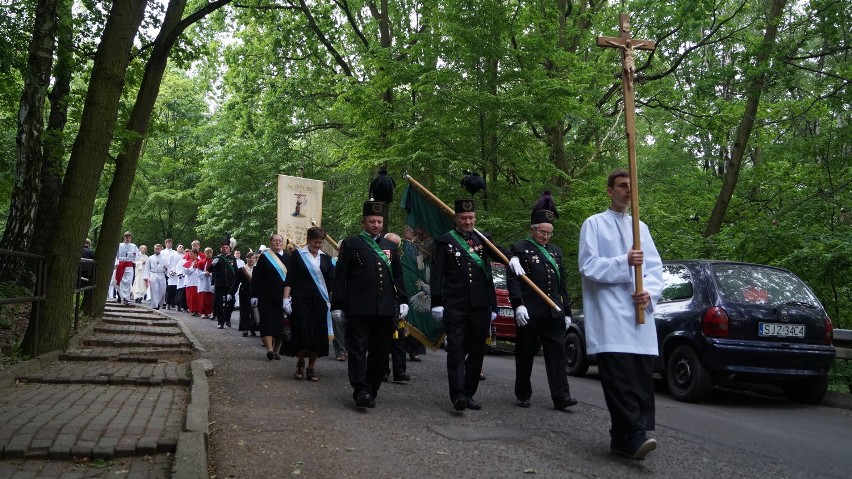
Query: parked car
(728, 322)
(503, 327)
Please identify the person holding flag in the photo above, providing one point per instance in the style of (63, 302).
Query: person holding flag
(267, 289)
(539, 325)
(626, 348)
(463, 297)
(369, 294)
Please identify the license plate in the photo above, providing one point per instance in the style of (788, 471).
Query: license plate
(505, 312)
(781, 330)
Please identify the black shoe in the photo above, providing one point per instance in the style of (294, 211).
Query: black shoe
(565, 403)
(276, 357)
(401, 377)
(245, 334)
(385, 378)
(415, 359)
(525, 403)
(460, 404)
(157, 309)
(228, 324)
(270, 355)
(220, 327)
(253, 334)
(471, 404)
(365, 400)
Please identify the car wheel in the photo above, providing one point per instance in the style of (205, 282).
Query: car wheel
(807, 391)
(575, 355)
(687, 379)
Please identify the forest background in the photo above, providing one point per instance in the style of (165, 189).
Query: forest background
(173, 120)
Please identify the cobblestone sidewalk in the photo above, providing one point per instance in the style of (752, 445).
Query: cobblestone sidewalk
(113, 407)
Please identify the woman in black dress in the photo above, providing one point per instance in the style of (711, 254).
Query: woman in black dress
(267, 292)
(242, 286)
(306, 299)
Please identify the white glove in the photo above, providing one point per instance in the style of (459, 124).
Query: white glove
(215, 261)
(288, 305)
(515, 264)
(438, 313)
(522, 317)
(253, 302)
(403, 311)
(493, 315)
(229, 298)
(337, 315)
(567, 321)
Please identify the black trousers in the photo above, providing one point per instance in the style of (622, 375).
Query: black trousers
(368, 346)
(181, 299)
(549, 334)
(222, 308)
(466, 331)
(397, 354)
(628, 386)
(171, 294)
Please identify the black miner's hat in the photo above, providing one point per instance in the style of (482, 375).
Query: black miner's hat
(541, 216)
(374, 208)
(465, 205)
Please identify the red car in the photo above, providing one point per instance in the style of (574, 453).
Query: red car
(503, 327)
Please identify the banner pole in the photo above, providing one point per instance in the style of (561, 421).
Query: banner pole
(499, 254)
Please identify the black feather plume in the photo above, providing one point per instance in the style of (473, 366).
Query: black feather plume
(545, 202)
(472, 182)
(381, 188)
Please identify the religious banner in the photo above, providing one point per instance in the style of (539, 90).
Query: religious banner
(299, 207)
(423, 222)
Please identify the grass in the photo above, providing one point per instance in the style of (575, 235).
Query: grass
(840, 376)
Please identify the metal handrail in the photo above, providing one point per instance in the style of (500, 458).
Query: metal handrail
(39, 289)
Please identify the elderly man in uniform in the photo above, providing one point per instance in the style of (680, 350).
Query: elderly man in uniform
(370, 296)
(126, 256)
(539, 325)
(156, 270)
(626, 351)
(463, 298)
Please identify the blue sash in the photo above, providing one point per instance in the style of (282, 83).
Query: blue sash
(316, 274)
(276, 263)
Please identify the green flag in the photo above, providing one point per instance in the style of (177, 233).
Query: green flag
(424, 221)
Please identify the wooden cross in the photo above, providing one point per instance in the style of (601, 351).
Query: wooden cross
(628, 70)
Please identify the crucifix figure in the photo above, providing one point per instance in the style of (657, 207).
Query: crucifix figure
(628, 69)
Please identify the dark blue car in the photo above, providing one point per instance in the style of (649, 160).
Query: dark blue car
(728, 322)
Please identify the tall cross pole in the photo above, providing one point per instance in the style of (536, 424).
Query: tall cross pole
(628, 69)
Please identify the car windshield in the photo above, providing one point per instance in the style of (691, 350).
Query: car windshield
(760, 285)
(498, 272)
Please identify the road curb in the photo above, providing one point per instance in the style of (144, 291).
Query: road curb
(837, 400)
(191, 453)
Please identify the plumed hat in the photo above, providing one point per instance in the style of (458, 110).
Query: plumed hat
(465, 205)
(544, 210)
(374, 208)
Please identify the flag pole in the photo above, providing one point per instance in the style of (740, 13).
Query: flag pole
(496, 251)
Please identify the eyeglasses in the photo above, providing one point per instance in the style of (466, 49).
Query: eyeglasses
(546, 234)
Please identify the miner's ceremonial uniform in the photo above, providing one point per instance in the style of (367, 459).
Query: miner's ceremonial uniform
(369, 292)
(463, 290)
(224, 270)
(542, 326)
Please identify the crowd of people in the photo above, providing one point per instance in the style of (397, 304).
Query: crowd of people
(294, 298)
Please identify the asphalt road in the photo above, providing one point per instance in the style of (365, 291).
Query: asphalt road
(266, 424)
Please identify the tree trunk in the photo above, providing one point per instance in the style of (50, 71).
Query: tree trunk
(755, 90)
(80, 185)
(53, 146)
(128, 158)
(18, 233)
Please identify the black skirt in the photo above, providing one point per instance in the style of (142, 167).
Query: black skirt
(271, 318)
(309, 327)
